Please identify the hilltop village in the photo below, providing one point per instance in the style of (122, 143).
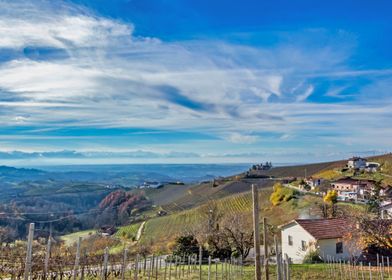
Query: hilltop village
(357, 181)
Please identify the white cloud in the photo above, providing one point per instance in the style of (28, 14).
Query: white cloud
(109, 78)
(285, 137)
(308, 92)
(20, 119)
(42, 24)
(242, 139)
(336, 92)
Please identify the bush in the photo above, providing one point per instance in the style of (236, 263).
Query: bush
(281, 194)
(186, 245)
(312, 256)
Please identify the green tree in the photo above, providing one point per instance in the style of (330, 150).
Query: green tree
(373, 204)
(186, 245)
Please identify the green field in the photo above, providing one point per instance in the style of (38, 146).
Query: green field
(71, 239)
(129, 231)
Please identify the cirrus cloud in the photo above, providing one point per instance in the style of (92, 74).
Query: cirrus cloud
(71, 68)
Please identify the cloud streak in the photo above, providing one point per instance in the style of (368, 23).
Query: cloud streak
(72, 68)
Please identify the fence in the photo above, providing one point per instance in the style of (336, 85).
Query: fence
(48, 262)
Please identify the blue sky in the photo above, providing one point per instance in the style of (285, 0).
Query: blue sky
(194, 81)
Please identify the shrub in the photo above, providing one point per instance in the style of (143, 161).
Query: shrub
(186, 245)
(281, 194)
(312, 256)
(331, 197)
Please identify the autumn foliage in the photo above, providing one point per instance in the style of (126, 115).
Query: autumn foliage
(124, 202)
(281, 194)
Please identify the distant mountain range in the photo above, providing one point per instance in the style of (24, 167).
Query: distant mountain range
(128, 175)
(12, 155)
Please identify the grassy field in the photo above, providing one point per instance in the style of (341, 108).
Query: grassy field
(72, 238)
(297, 272)
(129, 231)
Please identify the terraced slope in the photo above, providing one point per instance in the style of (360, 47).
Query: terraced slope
(166, 194)
(200, 194)
(161, 230)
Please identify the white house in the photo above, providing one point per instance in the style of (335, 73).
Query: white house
(313, 182)
(386, 211)
(325, 235)
(372, 167)
(356, 163)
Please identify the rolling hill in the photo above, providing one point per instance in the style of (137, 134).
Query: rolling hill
(183, 205)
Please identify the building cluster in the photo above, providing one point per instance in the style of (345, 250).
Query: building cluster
(151, 185)
(349, 188)
(327, 236)
(261, 166)
(359, 190)
(361, 164)
(259, 170)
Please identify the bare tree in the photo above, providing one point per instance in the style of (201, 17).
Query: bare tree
(239, 232)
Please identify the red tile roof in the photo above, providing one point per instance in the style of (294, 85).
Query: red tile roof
(325, 228)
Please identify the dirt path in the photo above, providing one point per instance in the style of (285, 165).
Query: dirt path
(140, 231)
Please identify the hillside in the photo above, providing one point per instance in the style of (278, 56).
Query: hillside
(177, 198)
(300, 170)
(183, 206)
(335, 171)
(186, 204)
(160, 231)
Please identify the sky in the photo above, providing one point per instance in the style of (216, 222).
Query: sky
(181, 81)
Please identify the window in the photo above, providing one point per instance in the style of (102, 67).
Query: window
(290, 240)
(303, 245)
(339, 248)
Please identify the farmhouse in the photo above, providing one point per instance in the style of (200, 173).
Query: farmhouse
(357, 163)
(302, 236)
(107, 230)
(352, 189)
(313, 182)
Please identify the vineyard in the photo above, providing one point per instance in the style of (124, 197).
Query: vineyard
(129, 231)
(205, 192)
(37, 260)
(168, 227)
(165, 229)
(162, 230)
(159, 231)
